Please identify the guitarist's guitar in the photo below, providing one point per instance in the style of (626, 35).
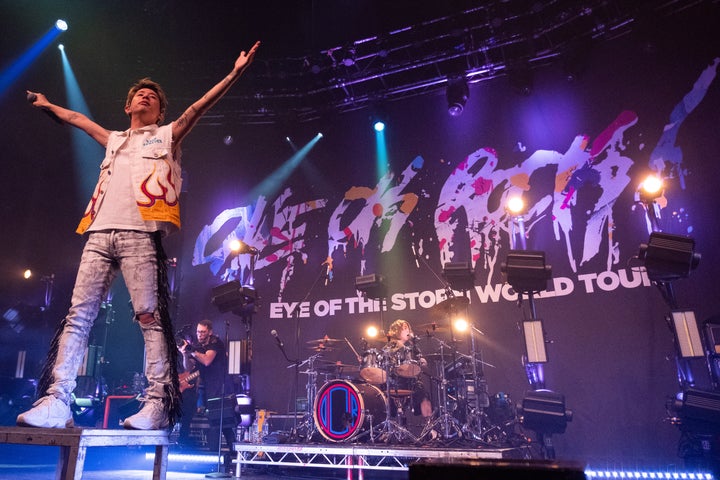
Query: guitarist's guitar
(186, 379)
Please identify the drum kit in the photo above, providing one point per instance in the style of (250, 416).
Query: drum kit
(368, 402)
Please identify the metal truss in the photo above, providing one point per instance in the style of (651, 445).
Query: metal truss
(358, 457)
(494, 38)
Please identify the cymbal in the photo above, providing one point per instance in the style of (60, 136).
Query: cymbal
(325, 340)
(449, 304)
(431, 327)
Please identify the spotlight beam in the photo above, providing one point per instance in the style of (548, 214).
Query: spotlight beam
(86, 151)
(12, 72)
(278, 177)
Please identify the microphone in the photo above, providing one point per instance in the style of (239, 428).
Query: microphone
(277, 338)
(31, 97)
(415, 255)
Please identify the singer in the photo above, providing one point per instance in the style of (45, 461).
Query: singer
(135, 204)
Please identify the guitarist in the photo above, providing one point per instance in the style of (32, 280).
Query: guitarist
(204, 355)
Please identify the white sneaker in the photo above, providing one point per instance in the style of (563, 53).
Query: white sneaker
(47, 412)
(151, 416)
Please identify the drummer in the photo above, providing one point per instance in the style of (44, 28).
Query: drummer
(401, 344)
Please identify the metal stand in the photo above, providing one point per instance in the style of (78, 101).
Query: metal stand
(242, 304)
(476, 406)
(390, 431)
(447, 425)
(220, 474)
(307, 424)
(534, 371)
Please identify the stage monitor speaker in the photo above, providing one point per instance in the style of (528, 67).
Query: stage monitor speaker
(544, 411)
(467, 469)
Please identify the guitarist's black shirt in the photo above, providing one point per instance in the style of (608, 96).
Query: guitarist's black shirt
(211, 377)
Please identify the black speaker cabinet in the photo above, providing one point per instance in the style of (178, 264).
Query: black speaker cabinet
(496, 470)
(544, 412)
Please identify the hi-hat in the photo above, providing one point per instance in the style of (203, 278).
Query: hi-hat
(339, 367)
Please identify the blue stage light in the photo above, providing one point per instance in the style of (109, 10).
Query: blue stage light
(61, 25)
(379, 126)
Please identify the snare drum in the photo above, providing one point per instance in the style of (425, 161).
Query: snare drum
(405, 366)
(343, 410)
(371, 368)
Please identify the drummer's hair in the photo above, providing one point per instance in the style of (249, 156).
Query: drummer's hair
(396, 326)
(206, 323)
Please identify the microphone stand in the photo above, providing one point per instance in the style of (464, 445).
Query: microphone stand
(324, 273)
(248, 319)
(220, 474)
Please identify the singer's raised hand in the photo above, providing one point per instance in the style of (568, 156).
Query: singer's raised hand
(245, 59)
(37, 99)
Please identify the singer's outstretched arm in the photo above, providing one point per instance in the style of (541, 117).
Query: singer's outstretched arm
(189, 118)
(76, 119)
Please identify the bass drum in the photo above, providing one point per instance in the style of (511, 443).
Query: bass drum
(343, 410)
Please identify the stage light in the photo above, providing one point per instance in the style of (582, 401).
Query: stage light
(461, 325)
(687, 334)
(668, 257)
(534, 341)
(372, 286)
(372, 331)
(239, 247)
(233, 297)
(61, 47)
(27, 274)
(459, 275)
(348, 56)
(515, 205)
(457, 93)
(319, 135)
(526, 271)
(379, 126)
(699, 410)
(61, 25)
(651, 188)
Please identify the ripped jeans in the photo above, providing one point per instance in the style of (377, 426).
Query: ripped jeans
(105, 254)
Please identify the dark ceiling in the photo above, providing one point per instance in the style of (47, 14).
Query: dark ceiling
(338, 55)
